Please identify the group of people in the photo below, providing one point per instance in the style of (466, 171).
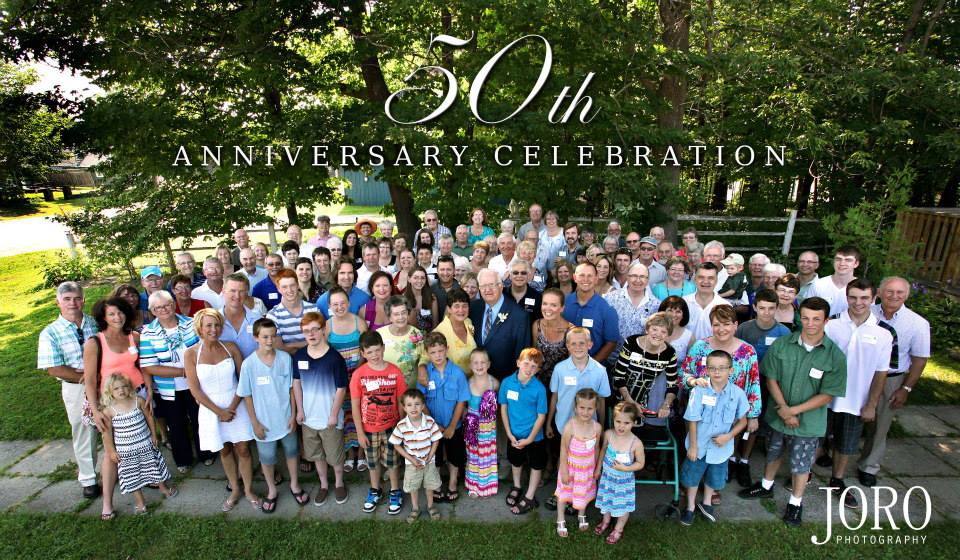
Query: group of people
(484, 357)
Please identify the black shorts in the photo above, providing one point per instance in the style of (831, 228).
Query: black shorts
(454, 450)
(533, 455)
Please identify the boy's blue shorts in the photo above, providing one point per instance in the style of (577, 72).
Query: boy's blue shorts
(714, 476)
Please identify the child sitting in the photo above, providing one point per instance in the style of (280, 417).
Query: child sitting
(622, 457)
(416, 439)
(375, 391)
(524, 412)
(732, 290)
(709, 438)
(130, 441)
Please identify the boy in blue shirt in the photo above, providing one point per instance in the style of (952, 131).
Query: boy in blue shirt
(447, 392)
(266, 385)
(716, 413)
(523, 408)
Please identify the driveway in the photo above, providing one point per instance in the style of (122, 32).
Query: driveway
(31, 234)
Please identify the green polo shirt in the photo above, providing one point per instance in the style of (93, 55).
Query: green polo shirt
(802, 375)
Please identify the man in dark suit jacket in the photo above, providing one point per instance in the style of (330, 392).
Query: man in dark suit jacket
(501, 326)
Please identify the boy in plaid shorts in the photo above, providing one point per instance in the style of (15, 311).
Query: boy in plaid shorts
(376, 388)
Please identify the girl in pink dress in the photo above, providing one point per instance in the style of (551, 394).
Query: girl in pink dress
(576, 484)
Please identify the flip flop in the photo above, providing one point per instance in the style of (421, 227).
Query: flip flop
(271, 502)
(255, 502)
(301, 497)
(108, 516)
(228, 505)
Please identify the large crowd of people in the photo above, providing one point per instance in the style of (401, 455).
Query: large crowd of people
(474, 356)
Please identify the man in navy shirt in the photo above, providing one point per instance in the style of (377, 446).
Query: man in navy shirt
(266, 290)
(501, 327)
(585, 308)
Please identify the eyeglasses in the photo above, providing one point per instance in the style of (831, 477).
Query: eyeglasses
(636, 277)
(647, 248)
(429, 220)
(312, 331)
(487, 286)
(518, 272)
(633, 241)
(164, 307)
(714, 369)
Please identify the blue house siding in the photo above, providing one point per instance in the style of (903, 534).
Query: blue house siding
(364, 190)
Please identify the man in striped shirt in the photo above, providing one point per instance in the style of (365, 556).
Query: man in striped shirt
(288, 313)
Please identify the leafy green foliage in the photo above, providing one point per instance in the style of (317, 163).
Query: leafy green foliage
(62, 268)
(943, 313)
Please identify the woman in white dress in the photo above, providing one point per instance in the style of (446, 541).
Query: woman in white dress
(212, 369)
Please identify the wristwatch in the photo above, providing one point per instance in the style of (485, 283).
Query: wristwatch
(906, 388)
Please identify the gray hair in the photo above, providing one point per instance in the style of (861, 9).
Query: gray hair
(159, 297)
(715, 244)
(508, 223)
(394, 301)
(506, 237)
(774, 267)
(445, 237)
(611, 239)
(335, 241)
(432, 212)
(760, 256)
(883, 283)
(69, 287)
(522, 263)
(213, 261)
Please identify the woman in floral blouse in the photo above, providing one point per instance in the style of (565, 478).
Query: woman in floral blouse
(402, 342)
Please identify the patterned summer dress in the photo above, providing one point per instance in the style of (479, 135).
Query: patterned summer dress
(348, 345)
(617, 491)
(480, 432)
(581, 460)
(140, 461)
(553, 354)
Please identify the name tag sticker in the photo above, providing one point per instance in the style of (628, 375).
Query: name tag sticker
(816, 373)
(635, 356)
(709, 400)
(703, 361)
(432, 386)
(623, 458)
(746, 435)
(591, 443)
(250, 329)
(513, 395)
(562, 253)
(373, 385)
(770, 340)
(273, 296)
(303, 364)
(588, 323)
(263, 380)
(529, 301)
(570, 381)
(424, 312)
(869, 338)
(132, 349)
(538, 278)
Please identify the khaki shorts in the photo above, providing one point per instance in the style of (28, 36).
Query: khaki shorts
(427, 478)
(323, 445)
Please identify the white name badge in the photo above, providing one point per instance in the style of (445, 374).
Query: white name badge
(513, 396)
(250, 329)
(570, 381)
(816, 373)
(562, 253)
(373, 385)
(529, 301)
(588, 323)
(273, 296)
(709, 400)
(869, 338)
(770, 340)
(424, 312)
(538, 278)
(431, 386)
(263, 380)
(303, 364)
(635, 356)
(703, 361)
(132, 349)
(591, 443)
(623, 458)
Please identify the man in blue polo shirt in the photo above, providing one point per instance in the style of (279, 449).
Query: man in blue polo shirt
(346, 277)
(238, 320)
(266, 290)
(585, 308)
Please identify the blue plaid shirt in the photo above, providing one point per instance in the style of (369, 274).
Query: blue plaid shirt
(61, 343)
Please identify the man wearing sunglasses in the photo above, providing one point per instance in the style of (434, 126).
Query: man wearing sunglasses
(645, 254)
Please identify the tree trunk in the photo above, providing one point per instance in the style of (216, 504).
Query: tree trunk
(911, 25)
(720, 186)
(675, 18)
(933, 20)
(948, 198)
(292, 215)
(803, 193)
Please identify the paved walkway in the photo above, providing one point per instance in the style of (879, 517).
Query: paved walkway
(38, 476)
(31, 234)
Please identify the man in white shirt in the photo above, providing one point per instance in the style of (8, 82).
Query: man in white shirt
(248, 260)
(701, 302)
(371, 264)
(867, 347)
(210, 291)
(833, 288)
(807, 264)
(911, 345)
(507, 245)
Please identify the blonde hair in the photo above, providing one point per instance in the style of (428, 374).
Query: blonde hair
(660, 319)
(200, 315)
(106, 392)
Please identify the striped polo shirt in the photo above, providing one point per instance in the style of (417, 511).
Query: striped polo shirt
(416, 440)
(288, 324)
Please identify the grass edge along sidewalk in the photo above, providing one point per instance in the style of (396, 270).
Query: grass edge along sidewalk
(167, 536)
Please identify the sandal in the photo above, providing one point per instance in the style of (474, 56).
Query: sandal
(229, 504)
(348, 466)
(512, 496)
(434, 514)
(173, 492)
(614, 537)
(361, 465)
(108, 516)
(439, 496)
(582, 523)
(551, 503)
(601, 528)
(452, 495)
(208, 462)
(524, 506)
(562, 529)
(301, 497)
(413, 516)
(140, 510)
(269, 505)
(255, 502)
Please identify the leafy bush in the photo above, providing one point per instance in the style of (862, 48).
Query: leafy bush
(943, 312)
(63, 268)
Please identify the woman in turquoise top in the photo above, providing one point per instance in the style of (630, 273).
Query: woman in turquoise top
(343, 333)
(478, 231)
(676, 283)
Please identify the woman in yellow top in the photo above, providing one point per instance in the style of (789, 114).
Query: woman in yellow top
(458, 329)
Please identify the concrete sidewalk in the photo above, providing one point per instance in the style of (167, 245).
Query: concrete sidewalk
(38, 476)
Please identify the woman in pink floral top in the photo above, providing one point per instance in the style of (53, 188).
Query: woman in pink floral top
(402, 342)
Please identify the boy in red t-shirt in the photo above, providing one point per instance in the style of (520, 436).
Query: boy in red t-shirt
(376, 387)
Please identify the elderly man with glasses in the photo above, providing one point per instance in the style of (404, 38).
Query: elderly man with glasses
(645, 252)
(431, 222)
(501, 326)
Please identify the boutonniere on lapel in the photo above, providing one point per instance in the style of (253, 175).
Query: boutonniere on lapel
(416, 337)
(501, 317)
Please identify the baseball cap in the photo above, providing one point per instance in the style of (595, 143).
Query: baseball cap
(733, 258)
(650, 240)
(152, 270)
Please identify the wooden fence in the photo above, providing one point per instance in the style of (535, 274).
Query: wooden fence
(935, 235)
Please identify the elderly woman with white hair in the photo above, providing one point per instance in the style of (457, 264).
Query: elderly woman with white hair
(771, 273)
(163, 344)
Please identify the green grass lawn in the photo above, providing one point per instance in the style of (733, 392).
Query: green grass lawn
(170, 536)
(35, 206)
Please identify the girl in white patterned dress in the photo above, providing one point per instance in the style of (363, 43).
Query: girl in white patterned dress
(131, 442)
